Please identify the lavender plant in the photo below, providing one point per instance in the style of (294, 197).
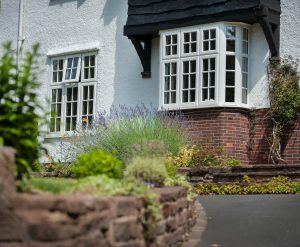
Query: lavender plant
(126, 130)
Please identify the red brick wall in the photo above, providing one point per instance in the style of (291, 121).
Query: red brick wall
(242, 136)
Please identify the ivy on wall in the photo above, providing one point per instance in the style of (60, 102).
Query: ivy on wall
(284, 96)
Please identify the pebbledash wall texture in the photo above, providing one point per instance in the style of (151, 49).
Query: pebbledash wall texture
(64, 27)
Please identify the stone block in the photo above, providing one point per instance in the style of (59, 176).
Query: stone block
(11, 227)
(126, 229)
(127, 206)
(170, 194)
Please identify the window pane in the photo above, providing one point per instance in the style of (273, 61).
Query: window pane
(68, 124)
(230, 32)
(213, 45)
(230, 78)
(168, 50)
(60, 76)
(167, 69)
(91, 92)
(194, 47)
(68, 74)
(174, 68)
(212, 79)
(53, 95)
(230, 45)
(212, 63)
(85, 93)
(185, 81)
(92, 59)
(74, 110)
(55, 65)
(194, 36)
(59, 96)
(186, 67)
(174, 50)
(244, 96)
(167, 83)
(213, 33)
(193, 81)
(206, 34)
(193, 66)
(173, 82)
(192, 96)
(212, 94)
(86, 73)
(69, 64)
(230, 62)
(173, 97)
(205, 79)
(58, 112)
(74, 72)
(91, 107)
(54, 76)
(166, 98)
(86, 61)
(61, 64)
(230, 94)
(187, 37)
(186, 48)
(168, 40)
(75, 93)
(75, 64)
(174, 39)
(185, 96)
(52, 125)
(204, 94)
(205, 64)
(92, 73)
(58, 124)
(205, 45)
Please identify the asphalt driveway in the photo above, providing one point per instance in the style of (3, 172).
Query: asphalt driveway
(251, 221)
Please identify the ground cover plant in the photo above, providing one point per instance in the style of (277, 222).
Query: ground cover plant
(277, 185)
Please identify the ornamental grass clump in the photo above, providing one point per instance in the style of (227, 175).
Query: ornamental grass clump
(133, 131)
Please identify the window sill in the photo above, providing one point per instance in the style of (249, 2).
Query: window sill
(212, 105)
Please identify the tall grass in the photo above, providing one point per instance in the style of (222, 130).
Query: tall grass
(127, 128)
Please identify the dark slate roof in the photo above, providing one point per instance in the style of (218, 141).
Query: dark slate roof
(147, 17)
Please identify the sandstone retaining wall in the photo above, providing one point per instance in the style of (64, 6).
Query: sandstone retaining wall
(83, 220)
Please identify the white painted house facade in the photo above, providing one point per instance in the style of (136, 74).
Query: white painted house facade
(88, 65)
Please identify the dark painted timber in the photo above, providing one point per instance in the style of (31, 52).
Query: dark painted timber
(147, 17)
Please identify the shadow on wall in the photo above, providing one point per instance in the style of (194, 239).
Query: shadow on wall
(129, 87)
(62, 2)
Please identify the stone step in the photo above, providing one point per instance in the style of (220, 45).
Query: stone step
(266, 168)
(237, 177)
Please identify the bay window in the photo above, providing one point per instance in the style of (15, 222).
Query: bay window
(72, 94)
(205, 66)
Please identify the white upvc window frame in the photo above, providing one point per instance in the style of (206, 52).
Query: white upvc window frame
(182, 43)
(79, 83)
(219, 54)
(165, 56)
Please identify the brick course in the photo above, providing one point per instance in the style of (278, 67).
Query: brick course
(230, 128)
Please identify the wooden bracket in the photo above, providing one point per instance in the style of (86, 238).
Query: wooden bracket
(271, 30)
(143, 48)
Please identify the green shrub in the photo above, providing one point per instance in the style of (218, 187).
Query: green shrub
(98, 162)
(18, 107)
(204, 155)
(277, 185)
(150, 170)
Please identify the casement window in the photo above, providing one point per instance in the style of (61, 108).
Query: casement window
(73, 82)
(206, 65)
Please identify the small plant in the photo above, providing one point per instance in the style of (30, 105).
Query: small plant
(98, 162)
(149, 170)
(232, 162)
(18, 107)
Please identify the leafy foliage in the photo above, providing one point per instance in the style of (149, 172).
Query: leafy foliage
(277, 185)
(150, 170)
(205, 155)
(284, 95)
(18, 107)
(98, 162)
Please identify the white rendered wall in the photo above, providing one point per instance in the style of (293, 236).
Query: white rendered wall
(9, 17)
(290, 29)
